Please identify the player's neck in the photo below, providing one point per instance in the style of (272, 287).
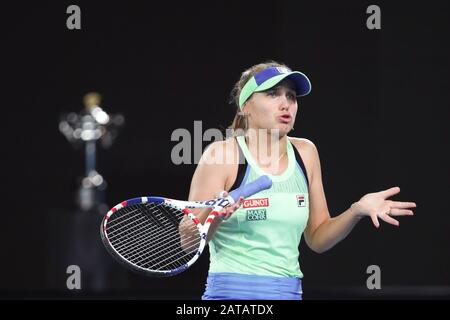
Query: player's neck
(266, 145)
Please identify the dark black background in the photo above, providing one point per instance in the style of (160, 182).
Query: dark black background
(378, 114)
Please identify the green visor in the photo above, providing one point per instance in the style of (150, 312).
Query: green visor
(269, 77)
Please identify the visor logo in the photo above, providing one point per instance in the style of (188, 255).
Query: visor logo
(282, 70)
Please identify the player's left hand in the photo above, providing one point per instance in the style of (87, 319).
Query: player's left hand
(377, 207)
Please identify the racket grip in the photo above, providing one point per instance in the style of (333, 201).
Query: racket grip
(262, 183)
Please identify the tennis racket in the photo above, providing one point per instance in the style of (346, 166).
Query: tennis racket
(162, 237)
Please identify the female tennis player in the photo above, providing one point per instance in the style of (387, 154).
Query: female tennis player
(254, 245)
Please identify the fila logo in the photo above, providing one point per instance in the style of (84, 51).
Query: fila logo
(300, 200)
(252, 203)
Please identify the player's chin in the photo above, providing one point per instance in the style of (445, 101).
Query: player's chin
(282, 128)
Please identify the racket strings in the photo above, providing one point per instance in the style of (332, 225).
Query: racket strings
(139, 230)
(123, 223)
(189, 245)
(142, 223)
(170, 255)
(142, 242)
(156, 232)
(128, 220)
(151, 237)
(138, 247)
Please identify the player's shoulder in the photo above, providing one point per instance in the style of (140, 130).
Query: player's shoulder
(303, 144)
(229, 144)
(220, 151)
(308, 153)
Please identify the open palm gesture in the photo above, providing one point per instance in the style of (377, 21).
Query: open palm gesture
(377, 207)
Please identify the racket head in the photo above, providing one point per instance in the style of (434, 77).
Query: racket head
(154, 236)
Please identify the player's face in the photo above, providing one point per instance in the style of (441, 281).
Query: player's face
(274, 108)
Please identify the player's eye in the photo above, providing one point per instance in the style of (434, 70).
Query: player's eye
(271, 93)
(291, 96)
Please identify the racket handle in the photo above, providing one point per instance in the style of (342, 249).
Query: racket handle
(262, 183)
